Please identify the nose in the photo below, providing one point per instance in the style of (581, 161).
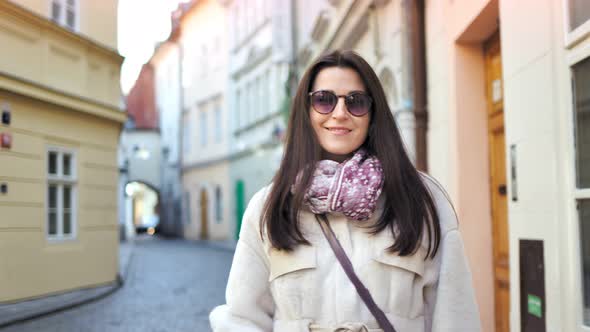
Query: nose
(340, 110)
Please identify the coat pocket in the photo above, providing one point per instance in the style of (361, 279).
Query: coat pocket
(396, 283)
(282, 262)
(292, 281)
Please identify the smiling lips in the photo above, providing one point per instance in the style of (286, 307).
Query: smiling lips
(338, 130)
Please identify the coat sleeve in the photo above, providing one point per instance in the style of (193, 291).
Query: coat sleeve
(450, 301)
(249, 305)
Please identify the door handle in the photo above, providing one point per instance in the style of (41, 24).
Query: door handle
(502, 189)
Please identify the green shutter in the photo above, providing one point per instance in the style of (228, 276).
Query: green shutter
(240, 206)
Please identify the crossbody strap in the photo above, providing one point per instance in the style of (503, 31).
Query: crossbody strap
(363, 292)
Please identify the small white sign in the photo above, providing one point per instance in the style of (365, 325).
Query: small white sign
(496, 90)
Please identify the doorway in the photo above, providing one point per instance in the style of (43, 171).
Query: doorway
(498, 191)
(204, 215)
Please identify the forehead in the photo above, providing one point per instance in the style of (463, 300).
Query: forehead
(338, 79)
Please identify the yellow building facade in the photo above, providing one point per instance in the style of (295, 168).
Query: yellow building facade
(59, 99)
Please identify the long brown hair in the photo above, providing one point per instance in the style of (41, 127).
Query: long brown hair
(409, 209)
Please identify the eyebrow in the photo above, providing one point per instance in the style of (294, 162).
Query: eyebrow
(353, 91)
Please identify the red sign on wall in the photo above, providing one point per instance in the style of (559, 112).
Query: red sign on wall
(6, 140)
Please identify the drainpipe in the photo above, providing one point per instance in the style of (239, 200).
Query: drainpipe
(419, 73)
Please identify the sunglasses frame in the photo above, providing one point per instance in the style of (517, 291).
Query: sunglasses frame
(345, 98)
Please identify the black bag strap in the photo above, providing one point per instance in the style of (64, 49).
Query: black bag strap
(363, 292)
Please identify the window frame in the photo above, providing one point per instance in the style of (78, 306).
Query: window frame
(60, 181)
(575, 55)
(63, 14)
(187, 207)
(218, 205)
(239, 107)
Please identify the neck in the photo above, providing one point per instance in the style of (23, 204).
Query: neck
(335, 157)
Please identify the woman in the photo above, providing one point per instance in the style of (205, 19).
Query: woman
(345, 172)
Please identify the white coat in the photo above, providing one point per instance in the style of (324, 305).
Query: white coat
(307, 290)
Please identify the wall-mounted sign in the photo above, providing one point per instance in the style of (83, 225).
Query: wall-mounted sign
(533, 303)
(5, 140)
(496, 90)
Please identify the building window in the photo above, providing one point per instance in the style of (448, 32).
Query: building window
(65, 12)
(581, 78)
(579, 13)
(61, 194)
(581, 72)
(245, 106)
(218, 123)
(252, 102)
(218, 205)
(187, 207)
(204, 126)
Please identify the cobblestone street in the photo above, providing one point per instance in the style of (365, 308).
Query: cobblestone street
(172, 285)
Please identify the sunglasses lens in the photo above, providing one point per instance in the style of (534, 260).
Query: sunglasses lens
(358, 104)
(323, 101)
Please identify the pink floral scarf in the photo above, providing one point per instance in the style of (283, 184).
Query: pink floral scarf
(351, 187)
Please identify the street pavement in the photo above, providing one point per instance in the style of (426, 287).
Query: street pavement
(171, 285)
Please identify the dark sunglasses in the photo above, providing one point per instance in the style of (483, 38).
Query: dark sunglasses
(357, 103)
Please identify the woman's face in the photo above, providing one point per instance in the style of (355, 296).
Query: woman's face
(339, 132)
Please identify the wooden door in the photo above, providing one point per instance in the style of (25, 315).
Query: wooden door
(204, 215)
(497, 148)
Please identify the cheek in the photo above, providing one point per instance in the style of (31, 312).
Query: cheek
(364, 125)
(316, 122)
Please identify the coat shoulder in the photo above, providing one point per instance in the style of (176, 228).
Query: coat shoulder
(444, 205)
(253, 214)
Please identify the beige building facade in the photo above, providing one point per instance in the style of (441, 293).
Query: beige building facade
(60, 97)
(205, 131)
(508, 137)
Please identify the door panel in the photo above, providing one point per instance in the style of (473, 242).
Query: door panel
(204, 215)
(497, 148)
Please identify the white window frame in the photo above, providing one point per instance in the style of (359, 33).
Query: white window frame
(574, 55)
(63, 14)
(61, 180)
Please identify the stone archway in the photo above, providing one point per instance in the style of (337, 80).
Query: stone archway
(142, 205)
